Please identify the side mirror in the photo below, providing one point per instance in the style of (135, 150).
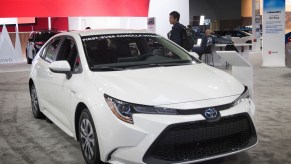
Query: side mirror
(194, 54)
(61, 67)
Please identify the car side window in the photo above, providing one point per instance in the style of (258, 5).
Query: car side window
(68, 51)
(50, 52)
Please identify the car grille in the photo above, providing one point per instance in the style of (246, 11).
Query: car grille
(202, 139)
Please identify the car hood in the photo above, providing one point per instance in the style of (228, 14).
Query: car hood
(168, 85)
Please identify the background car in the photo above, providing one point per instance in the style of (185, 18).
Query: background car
(236, 35)
(221, 40)
(36, 41)
(217, 39)
(134, 97)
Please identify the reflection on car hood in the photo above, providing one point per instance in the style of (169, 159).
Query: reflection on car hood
(168, 85)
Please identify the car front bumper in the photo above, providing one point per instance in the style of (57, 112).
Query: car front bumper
(157, 138)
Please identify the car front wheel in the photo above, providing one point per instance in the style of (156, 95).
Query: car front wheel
(88, 138)
(34, 103)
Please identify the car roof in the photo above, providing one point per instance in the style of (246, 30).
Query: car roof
(106, 31)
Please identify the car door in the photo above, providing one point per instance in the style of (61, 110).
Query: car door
(60, 86)
(47, 55)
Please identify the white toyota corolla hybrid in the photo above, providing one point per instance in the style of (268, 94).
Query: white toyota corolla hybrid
(134, 97)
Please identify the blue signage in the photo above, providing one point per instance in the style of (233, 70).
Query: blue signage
(274, 4)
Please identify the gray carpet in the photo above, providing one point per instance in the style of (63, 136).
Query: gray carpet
(273, 115)
(26, 140)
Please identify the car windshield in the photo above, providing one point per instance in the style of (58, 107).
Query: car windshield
(44, 36)
(132, 51)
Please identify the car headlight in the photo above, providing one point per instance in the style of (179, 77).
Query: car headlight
(245, 95)
(124, 110)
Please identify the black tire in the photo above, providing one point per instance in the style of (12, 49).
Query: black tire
(88, 139)
(34, 103)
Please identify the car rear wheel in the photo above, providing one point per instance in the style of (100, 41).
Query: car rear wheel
(88, 138)
(34, 103)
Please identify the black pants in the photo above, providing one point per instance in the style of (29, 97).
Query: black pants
(199, 51)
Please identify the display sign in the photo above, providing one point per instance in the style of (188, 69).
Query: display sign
(151, 25)
(73, 8)
(273, 33)
(9, 54)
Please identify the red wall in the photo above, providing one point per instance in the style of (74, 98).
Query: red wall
(58, 23)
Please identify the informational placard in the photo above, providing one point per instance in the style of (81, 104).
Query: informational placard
(151, 24)
(274, 33)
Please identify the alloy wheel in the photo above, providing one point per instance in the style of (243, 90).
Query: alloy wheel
(34, 101)
(87, 138)
(35, 104)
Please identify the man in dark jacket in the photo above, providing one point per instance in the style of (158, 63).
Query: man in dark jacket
(205, 42)
(176, 33)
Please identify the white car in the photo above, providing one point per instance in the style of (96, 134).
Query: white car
(134, 97)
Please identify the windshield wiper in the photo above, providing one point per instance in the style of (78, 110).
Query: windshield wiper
(106, 68)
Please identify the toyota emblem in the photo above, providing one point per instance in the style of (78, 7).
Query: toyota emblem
(210, 113)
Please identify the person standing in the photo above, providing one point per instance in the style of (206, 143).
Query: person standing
(176, 33)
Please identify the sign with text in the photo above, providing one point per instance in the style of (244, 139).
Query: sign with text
(274, 33)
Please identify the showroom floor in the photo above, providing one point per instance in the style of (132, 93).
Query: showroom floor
(25, 140)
